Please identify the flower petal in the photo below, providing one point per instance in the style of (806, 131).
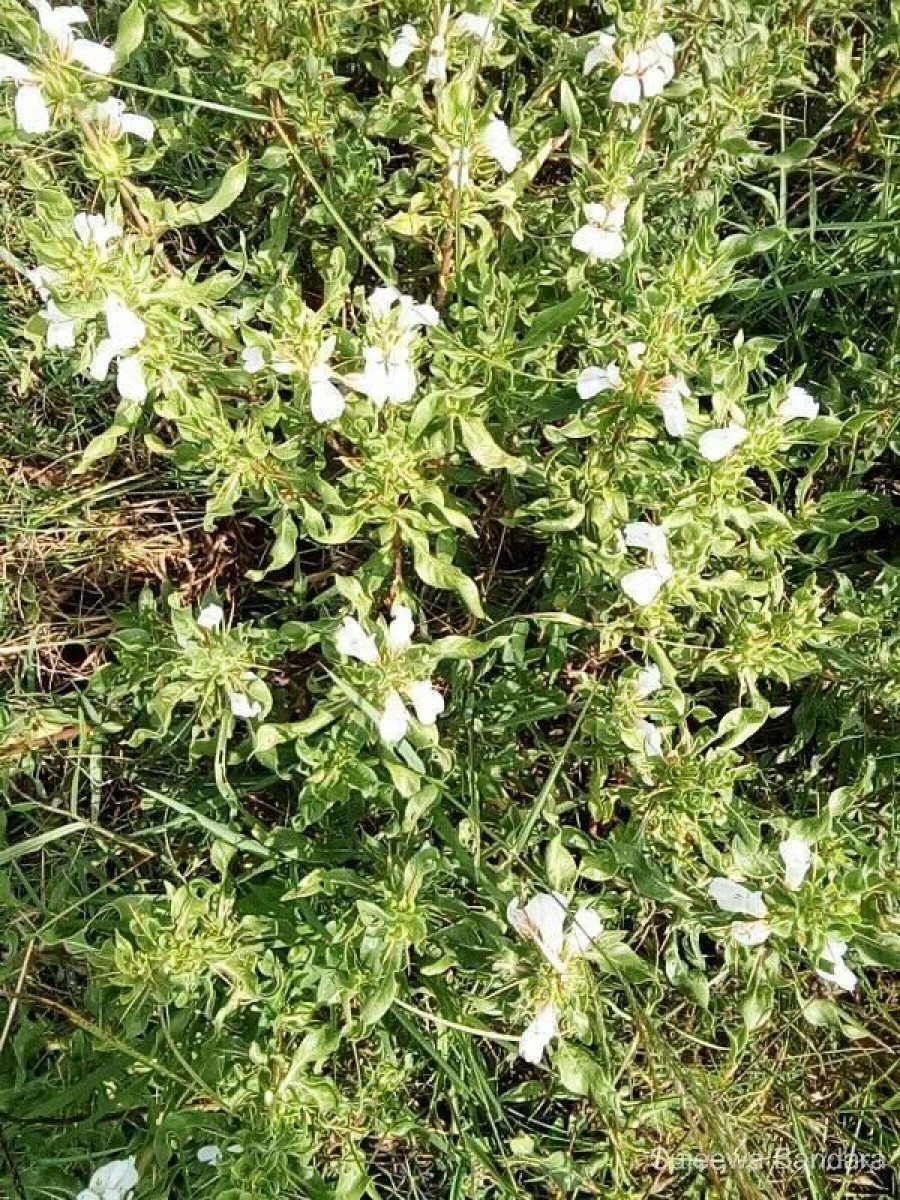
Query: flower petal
(394, 721)
(796, 854)
(427, 701)
(733, 897)
(539, 1033)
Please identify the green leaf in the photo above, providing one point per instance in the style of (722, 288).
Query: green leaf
(482, 447)
(552, 320)
(232, 183)
(130, 33)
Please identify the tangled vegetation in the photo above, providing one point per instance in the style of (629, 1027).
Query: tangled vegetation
(450, 599)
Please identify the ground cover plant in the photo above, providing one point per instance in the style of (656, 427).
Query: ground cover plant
(449, 599)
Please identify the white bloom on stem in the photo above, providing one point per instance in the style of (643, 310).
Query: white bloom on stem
(401, 628)
(796, 854)
(393, 723)
(40, 279)
(838, 973)
(93, 229)
(593, 380)
(406, 42)
(458, 167)
(353, 642)
(474, 24)
(735, 898)
(798, 405)
(498, 142)
(60, 328)
(717, 444)
(427, 701)
(649, 681)
(645, 72)
(210, 1154)
(410, 313)
(32, 114)
(601, 237)
(642, 535)
(115, 119)
(542, 920)
(57, 25)
(635, 352)
(644, 585)
(253, 359)
(326, 400)
(116, 1181)
(750, 933)
(673, 391)
(436, 67)
(387, 377)
(211, 616)
(535, 1038)
(652, 739)
(125, 332)
(244, 709)
(602, 51)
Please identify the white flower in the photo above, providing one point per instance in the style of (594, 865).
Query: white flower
(394, 720)
(652, 739)
(130, 379)
(734, 897)
(386, 377)
(326, 401)
(671, 395)
(645, 72)
(60, 328)
(436, 67)
(796, 854)
(40, 278)
(717, 444)
(498, 143)
(840, 974)
(641, 535)
(244, 709)
(116, 1181)
(353, 642)
(427, 701)
(539, 1033)
(125, 331)
(209, 1154)
(601, 238)
(593, 380)
(253, 359)
(798, 405)
(458, 166)
(116, 119)
(410, 314)
(406, 42)
(93, 229)
(32, 114)
(542, 920)
(211, 616)
(601, 52)
(750, 933)
(474, 24)
(57, 24)
(644, 585)
(635, 352)
(401, 628)
(649, 680)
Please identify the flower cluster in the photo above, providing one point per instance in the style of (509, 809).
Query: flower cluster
(408, 41)
(734, 897)
(644, 584)
(542, 921)
(57, 25)
(114, 1181)
(388, 374)
(643, 72)
(353, 641)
